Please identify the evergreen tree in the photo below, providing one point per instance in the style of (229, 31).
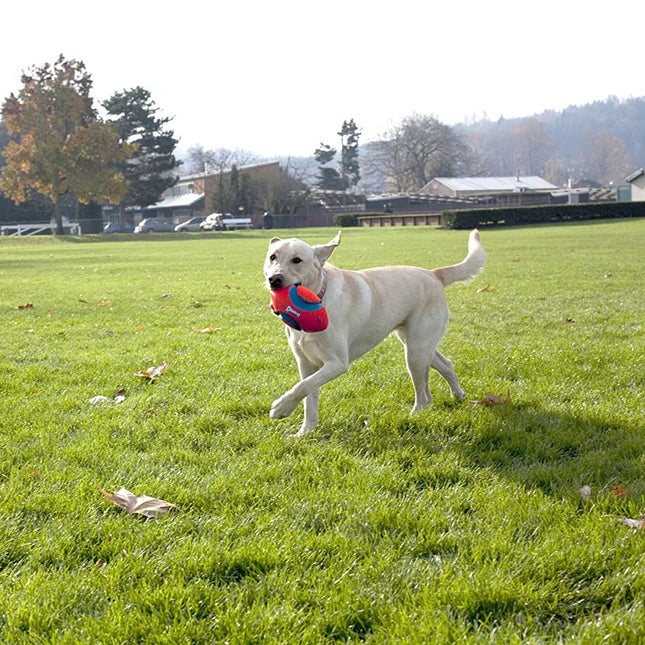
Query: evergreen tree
(150, 170)
(349, 135)
(348, 172)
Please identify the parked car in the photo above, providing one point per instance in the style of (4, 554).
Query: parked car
(190, 225)
(225, 222)
(114, 227)
(154, 225)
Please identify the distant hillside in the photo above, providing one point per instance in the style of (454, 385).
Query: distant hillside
(601, 141)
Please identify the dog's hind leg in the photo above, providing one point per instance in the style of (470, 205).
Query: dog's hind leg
(445, 368)
(417, 359)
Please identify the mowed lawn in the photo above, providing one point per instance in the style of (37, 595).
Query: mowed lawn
(464, 523)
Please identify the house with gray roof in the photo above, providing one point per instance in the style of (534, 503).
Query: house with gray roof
(637, 183)
(495, 191)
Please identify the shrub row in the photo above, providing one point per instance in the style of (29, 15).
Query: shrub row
(467, 219)
(346, 219)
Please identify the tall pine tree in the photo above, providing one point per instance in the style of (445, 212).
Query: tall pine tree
(150, 170)
(348, 173)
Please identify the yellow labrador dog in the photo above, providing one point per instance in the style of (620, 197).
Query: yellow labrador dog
(363, 308)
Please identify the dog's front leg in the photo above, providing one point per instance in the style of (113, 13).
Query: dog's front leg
(312, 401)
(308, 387)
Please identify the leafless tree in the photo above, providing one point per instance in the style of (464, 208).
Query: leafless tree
(413, 152)
(604, 158)
(202, 160)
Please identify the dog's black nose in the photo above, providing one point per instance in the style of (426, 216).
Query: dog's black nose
(276, 281)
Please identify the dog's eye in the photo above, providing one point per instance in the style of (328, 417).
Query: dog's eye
(272, 258)
(296, 260)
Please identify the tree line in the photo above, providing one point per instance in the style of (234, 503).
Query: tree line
(54, 145)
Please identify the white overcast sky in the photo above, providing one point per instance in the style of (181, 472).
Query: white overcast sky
(278, 77)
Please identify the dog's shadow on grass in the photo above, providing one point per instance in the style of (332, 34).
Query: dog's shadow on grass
(556, 452)
(530, 444)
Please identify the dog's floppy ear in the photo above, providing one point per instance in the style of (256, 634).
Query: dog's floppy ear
(274, 239)
(323, 251)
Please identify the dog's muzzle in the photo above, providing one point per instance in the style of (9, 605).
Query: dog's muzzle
(276, 281)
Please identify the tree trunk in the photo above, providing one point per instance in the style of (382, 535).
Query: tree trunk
(122, 222)
(58, 218)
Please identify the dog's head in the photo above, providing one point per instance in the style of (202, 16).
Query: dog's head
(293, 261)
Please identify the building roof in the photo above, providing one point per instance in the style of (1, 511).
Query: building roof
(501, 184)
(635, 175)
(214, 172)
(177, 201)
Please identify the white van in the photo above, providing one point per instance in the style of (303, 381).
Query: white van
(225, 222)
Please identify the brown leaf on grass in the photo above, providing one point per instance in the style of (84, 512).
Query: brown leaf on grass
(104, 303)
(208, 330)
(620, 491)
(638, 523)
(28, 305)
(153, 372)
(492, 400)
(484, 289)
(83, 300)
(143, 505)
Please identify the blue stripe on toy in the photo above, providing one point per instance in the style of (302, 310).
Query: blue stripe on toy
(287, 319)
(299, 302)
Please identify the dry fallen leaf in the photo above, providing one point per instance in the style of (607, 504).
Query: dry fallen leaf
(143, 505)
(484, 289)
(585, 493)
(153, 372)
(620, 491)
(104, 303)
(492, 400)
(26, 306)
(638, 523)
(99, 399)
(119, 397)
(207, 330)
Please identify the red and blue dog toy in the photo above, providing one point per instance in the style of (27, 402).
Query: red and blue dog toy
(300, 308)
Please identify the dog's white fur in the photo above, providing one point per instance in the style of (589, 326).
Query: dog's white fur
(363, 308)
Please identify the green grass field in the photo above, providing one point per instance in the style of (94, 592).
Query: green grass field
(464, 523)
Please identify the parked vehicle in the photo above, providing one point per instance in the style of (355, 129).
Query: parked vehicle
(154, 225)
(225, 222)
(114, 227)
(190, 225)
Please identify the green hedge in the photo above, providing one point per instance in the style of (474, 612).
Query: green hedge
(467, 219)
(346, 219)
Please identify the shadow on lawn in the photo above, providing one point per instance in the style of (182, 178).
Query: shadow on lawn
(555, 452)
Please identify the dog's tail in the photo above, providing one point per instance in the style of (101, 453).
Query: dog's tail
(467, 269)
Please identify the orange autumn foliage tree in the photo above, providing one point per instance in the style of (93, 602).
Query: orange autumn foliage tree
(59, 145)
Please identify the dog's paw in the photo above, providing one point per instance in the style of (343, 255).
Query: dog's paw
(282, 408)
